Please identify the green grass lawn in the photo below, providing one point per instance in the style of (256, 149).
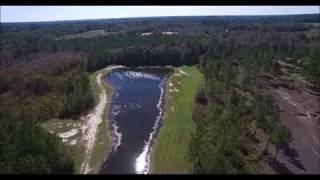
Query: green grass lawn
(171, 149)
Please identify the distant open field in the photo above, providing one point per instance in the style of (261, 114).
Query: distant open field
(312, 33)
(88, 34)
(313, 24)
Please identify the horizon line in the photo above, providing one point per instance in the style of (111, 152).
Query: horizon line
(137, 17)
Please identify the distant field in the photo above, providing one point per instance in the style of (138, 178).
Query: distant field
(313, 24)
(312, 33)
(171, 151)
(88, 34)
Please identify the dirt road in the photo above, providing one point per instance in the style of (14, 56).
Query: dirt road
(299, 112)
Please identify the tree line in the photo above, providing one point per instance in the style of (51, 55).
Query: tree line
(43, 78)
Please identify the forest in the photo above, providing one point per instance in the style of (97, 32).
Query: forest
(43, 78)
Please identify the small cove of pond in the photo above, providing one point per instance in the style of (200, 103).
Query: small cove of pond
(135, 114)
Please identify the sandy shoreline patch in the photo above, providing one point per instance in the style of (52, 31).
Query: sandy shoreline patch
(93, 120)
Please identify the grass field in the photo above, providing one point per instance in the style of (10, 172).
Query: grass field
(171, 149)
(88, 34)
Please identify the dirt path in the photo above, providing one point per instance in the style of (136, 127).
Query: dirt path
(183, 72)
(92, 122)
(299, 112)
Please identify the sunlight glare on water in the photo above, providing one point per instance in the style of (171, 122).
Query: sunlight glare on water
(141, 162)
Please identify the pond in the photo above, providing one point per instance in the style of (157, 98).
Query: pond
(135, 114)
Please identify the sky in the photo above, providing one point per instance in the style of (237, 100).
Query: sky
(53, 13)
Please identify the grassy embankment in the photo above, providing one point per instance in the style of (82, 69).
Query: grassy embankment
(103, 141)
(76, 150)
(171, 149)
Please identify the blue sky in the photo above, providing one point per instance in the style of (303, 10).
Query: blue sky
(51, 13)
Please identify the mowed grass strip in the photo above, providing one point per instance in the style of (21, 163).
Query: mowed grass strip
(171, 149)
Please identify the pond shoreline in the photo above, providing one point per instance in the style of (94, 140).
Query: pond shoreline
(144, 158)
(101, 144)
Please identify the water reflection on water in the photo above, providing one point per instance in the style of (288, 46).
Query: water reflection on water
(135, 113)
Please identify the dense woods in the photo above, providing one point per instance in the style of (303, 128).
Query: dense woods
(233, 100)
(26, 148)
(139, 56)
(48, 86)
(42, 77)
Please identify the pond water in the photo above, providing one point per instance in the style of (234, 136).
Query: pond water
(135, 114)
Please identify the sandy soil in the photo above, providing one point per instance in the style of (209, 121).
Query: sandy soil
(182, 73)
(92, 122)
(299, 111)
